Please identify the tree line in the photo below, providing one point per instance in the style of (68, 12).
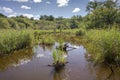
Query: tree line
(100, 15)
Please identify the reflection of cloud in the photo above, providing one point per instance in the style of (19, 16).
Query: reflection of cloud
(21, 62)
(74, 46)
(40, 55)
(65, 55)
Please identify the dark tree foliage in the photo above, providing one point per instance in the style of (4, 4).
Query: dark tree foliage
(104, 15)
(47, 18)
(73, 24)
(2, 16)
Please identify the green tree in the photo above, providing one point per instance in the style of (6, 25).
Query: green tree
(73, 24)
(92, 5)
(47, 18)
(104, 16)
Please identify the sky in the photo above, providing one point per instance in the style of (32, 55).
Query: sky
(35, 8)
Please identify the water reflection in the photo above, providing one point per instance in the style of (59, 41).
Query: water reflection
(78, 67)
(42, 51)
(103, 72)
(15, 59)
(62, 74)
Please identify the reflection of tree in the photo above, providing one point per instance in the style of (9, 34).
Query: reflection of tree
(15, 58)
(59, 75)
(44, 47)
(103, 72)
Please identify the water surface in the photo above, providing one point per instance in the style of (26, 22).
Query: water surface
(32, 64)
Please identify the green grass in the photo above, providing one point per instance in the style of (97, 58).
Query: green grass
(58, 57)
(11, 40)
(48, 41)
(104, 46)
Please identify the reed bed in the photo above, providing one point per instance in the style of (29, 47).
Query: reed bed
(11, 40)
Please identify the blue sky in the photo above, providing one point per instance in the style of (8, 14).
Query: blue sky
(35, 8)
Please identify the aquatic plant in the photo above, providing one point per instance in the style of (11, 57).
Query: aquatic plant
(11, 40)
(104, 46)
(48, 41)
(59, 59)
(59, 56)
(80, 32)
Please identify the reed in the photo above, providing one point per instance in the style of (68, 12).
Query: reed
(104, 46)
(11, 40)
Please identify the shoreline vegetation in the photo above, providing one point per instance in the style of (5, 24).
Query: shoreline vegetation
(98, 31)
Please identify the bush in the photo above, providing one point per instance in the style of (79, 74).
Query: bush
(11, 40)
(48, 41)
(81, 32)
(13, 24)
(4, 24)
(105, 46)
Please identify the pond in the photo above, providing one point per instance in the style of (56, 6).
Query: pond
(32, 64)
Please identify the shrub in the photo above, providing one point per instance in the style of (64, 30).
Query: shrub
(4, 24)
(59, 59)
(81, 32)
(48, 41)
(11, 40)
(105, 46)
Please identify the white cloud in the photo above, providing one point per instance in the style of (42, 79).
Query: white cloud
(25, 7)
(21, 0)
(12, 15)
(36, 17)
(37, 1)
(6, 9)
(28, 15)
(76, 10)
(92, 0)
(62, 3)
(48, 2)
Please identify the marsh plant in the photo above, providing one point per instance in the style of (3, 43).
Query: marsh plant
(59, 56)
(104, 46)
(59, 59)
(47, 40)
(80, 32)
(11, 40)
(43, 38)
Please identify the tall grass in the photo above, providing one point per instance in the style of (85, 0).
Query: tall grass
(11, 40)
(59, 56)
(104, 46)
